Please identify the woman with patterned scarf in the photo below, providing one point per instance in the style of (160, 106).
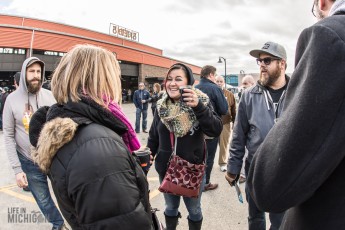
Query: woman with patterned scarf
(84, 143)
(190, 120)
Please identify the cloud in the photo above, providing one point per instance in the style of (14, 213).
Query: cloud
(194, 31)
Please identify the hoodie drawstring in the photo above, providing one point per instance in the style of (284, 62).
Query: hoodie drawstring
(268, 105)
(276, 105)
(29, 102)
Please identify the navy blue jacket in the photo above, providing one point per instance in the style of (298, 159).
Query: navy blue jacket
(217, 99)
(141, 95)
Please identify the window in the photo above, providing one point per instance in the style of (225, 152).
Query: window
(19, 51)
(6, 50)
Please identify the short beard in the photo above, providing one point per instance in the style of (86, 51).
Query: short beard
(319, 14)
(33, 88)
(272, 78)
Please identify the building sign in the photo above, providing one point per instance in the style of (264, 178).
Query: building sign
(123, 32)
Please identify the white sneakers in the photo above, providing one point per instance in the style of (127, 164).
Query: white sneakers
(223, 168)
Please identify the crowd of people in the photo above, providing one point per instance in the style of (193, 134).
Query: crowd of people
(285, 132)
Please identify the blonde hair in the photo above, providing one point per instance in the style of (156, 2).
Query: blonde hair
(157, 87)
(89, 70)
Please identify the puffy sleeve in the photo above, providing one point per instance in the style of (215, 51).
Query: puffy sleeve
(153, 139)
(210, 123)
(103, 187)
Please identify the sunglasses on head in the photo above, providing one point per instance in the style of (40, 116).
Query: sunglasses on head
(267, 60)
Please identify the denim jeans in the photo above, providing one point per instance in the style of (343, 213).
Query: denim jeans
(137, 119)
(38, 185)
(193, 205)
(211, 145)
(256, 218)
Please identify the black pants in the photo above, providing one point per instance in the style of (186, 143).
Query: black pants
(211, 145)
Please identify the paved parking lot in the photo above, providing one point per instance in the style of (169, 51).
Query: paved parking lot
(221, 209)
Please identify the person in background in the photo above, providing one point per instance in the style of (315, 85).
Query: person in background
(124, 95)
(129, 95)
(300, 166)
(84, 142)
(156, 95)
(3, 97)
(224, 137)
(46, 85)
(16, 80)
(141, 100)
(220, 105)
(247, 82)
(189, 120)
(259, 109)
(19, 107)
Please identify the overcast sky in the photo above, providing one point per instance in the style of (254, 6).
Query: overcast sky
(194, 31)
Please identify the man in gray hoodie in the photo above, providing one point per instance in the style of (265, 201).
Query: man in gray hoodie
(19, 107)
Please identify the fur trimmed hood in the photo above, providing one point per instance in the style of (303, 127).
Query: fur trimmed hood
(53, 127)
(55, 134)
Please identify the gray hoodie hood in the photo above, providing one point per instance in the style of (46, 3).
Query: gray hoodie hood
(20, 105)
(29, 61)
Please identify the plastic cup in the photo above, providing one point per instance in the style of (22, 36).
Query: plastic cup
(182, 90)
(144, 158)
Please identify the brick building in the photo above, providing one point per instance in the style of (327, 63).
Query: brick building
(22, 37)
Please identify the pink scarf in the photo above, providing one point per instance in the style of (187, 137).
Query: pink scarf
(129, 137)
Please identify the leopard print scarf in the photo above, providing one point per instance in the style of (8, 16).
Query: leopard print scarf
(178, 117)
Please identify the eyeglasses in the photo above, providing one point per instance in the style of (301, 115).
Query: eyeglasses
(267, 60)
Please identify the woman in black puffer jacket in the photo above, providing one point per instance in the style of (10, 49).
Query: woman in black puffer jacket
(85, 145)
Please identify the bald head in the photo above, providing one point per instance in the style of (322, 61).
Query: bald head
(220, 81)
(247, 81)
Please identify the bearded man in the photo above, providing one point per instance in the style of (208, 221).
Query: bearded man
(19, 107)
(259, 109)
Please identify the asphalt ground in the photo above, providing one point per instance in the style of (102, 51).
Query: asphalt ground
(221, 208)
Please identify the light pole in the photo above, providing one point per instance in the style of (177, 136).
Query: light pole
(220, 61)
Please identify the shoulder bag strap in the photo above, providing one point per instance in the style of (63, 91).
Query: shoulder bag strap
(204, 152)
(173, 147)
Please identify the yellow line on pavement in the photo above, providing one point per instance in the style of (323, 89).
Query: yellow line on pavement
(8, 187)
(18, 195)
(154, 193)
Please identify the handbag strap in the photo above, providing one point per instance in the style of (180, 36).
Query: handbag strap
(174, 145)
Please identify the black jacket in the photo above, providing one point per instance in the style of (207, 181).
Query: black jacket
(96, 180)
(300, 166)
(3, 98)
(154, 98)
(217, 99)
(191, 146)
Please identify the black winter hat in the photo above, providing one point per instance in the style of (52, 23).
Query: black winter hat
(37, 122)
(189, 71)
